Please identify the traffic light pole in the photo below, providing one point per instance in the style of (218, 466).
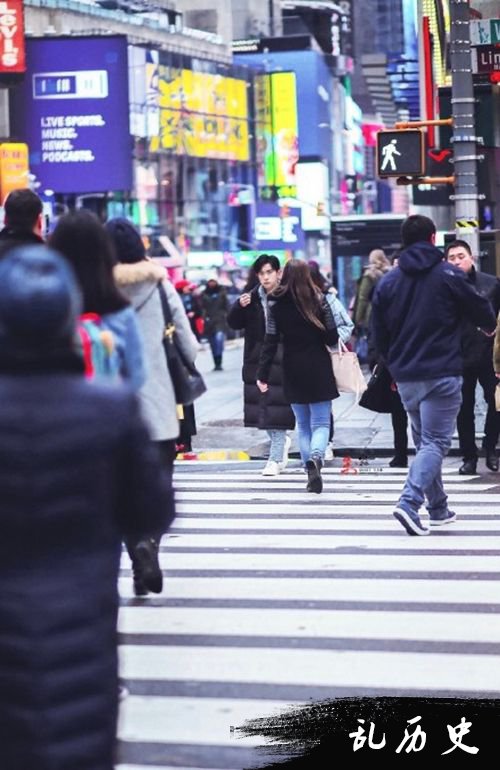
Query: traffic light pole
(466, 195)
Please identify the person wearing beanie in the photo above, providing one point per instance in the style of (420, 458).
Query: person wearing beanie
(138, 278)
(23, 219)
(77, 476)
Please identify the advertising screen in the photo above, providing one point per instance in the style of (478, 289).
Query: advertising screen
(72, 111)
(202, 114)
(277, 134)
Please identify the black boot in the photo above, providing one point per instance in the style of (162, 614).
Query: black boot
(146, 567)
(218, 363)
(314, 480)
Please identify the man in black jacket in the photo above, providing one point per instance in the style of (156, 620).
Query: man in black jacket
(23, 220)
(266, 411)
(477, 350)
(417, 312)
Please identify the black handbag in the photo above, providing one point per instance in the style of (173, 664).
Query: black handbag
(186, 379)
(379, 395)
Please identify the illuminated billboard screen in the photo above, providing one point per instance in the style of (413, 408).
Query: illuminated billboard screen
(72, 111)
(202, 114)
(277, 134)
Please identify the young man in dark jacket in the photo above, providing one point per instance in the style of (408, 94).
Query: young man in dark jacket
(23, 220)
(417, 312)
(266, 411)
(477, 350)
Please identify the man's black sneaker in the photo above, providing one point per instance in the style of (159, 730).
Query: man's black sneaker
(314, 480)
(468, 468)
(492, 461)
(410, 522)
(399, 462)
(447, 517)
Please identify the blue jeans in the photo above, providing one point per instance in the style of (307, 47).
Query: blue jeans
(216, 341)
(432, 406)
(277, 448)
(313, 425)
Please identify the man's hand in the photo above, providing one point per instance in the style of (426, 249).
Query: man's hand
(245, 300)
(262, 386)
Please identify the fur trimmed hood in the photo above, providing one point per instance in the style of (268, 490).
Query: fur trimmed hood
(145, 271)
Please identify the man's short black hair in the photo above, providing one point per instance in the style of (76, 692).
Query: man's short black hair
(417, 228)
(266, 259)
(22, 209)
(458, 244)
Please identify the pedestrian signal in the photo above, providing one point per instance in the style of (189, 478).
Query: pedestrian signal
(284, 211)
(400, 153)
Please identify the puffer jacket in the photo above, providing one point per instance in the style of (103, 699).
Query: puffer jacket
(139, 281)
(269, 410)
(78, 474)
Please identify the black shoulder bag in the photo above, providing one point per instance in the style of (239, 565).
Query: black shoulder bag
(186, 379)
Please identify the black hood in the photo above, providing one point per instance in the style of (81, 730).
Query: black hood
(419, 257)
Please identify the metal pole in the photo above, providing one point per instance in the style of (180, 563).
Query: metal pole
(271, 18)
(464, 134)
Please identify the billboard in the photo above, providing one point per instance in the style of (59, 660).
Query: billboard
(277, 133)
(203, 115)
(12, 52)
(273, 231)
(13, 168)
(72, 111)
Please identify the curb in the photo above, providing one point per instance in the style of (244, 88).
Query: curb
(218, 454)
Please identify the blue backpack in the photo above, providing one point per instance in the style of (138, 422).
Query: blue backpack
(98, 347)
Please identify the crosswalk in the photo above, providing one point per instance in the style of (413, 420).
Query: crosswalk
(275, 597)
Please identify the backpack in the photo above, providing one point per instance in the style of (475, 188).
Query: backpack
(97, 346)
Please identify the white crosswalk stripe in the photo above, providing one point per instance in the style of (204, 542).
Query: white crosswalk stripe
(274, 597)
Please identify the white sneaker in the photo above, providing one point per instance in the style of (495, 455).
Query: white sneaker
(329, 452)
(272, 468)
(284, 462)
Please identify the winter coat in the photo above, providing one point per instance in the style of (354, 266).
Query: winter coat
(268, 410)
(128, 347)
(10, 237)
(477, 348)
(307, 366)
(417, 312)
(343, 322)
(215, 306)
(363, 303)
(140, 282)
(78, 474)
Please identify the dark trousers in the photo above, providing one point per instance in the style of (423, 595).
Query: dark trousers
(399, 420)
(465, 421)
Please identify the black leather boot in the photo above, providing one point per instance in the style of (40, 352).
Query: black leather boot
(146, 567)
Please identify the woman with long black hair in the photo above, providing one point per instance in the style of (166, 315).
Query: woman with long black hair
(300, 315)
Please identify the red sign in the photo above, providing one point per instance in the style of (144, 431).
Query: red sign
(488, 58)
(12, 53)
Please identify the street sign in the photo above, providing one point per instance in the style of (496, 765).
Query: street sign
(400, 153)
(487, 58)
(485, 31)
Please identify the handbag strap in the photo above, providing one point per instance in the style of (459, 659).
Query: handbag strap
(342, 347)
(169, 332)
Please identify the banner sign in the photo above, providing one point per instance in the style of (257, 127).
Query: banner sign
(202, 114)
(12, 53)
(72, 110)
(14, 168)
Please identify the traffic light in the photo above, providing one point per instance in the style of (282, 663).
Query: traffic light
(320, 209)
(284, 211)
(400, 153)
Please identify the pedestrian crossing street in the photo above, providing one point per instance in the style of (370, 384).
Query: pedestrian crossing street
(275, 597)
